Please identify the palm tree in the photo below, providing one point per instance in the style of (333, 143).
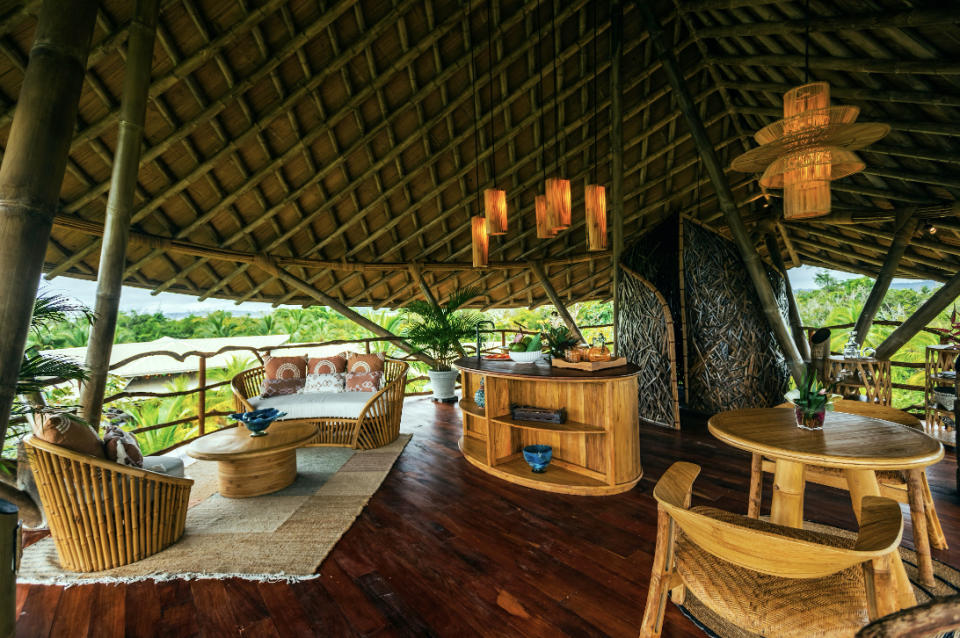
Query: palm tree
(219, 324)
(437, 330)
(267, 324)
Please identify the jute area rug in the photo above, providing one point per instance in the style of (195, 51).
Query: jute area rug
(947, 584)
(279, 536)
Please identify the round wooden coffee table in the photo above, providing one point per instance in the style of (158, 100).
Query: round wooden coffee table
(254, 465)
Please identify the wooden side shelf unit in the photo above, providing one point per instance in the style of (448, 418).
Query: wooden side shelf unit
(868, 375)
(597, 450)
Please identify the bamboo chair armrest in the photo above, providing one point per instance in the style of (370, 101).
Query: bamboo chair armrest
(881, 526)
(676, 485)
(135, 472)
(381, 395)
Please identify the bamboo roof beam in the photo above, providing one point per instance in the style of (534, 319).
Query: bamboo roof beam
(926, 313)
(890, 20)
(853, 93)
(793, 313)
(846, 254)
(126, 165)
(555, 299)
(722, 189)
(906, 225)
(851, 65)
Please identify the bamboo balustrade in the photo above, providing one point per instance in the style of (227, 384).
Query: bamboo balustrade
(203, 388)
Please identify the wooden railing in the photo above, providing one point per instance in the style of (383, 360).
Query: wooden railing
(203, 388)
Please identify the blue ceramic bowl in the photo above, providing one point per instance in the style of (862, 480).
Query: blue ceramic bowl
(258, 421)
(538, 457)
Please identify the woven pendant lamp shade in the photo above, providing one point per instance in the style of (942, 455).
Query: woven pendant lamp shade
(495, 207)
(481, 241)
(810, 147)
(595, 202)
(559, 203)
(544, 223)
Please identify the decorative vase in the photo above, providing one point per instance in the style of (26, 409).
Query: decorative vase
(809, 420)
(538, 457)
(443, 383)
(480, 397)
(258, 421)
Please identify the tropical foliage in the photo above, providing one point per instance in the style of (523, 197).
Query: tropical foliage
(438, 329)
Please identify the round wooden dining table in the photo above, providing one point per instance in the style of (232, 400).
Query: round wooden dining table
(857, 444)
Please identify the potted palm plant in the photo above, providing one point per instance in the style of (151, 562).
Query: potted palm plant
(436, 330)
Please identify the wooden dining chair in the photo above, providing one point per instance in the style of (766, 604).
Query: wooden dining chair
(769, 579)
(895, 484)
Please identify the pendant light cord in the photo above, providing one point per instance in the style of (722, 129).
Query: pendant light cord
(543, 141)
(476, 98)
(806, 45)
(556, 89)
(493, 154)
(596, 93)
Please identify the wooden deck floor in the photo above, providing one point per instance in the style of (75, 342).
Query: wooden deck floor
(445, 550)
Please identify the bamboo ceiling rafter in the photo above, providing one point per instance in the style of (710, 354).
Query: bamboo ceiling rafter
(330, 137)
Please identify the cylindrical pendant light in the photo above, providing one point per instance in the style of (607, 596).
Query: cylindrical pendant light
(481, 241)
(559, 203)
(495, 207)
(595, 200)
(544, 224)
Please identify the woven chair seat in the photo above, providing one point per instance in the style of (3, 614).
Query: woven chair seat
(769, 605)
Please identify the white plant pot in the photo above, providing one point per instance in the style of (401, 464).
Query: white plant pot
(443, 383)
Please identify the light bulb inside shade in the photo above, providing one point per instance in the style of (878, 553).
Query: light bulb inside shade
(481, 241)
(595, 203)
(495, 207)
(544, 225)
(559, 203)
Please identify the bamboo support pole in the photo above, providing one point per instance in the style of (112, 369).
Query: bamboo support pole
(271, 268)
(906, 226)
(34, 162)
(616, 153)
(123, 184)
(9, 558)
(776, 257)
(923, 315)
(417, 273)
(721, 186)
(548, 288)
(202, 396)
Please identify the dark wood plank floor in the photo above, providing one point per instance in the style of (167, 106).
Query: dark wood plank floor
(445, 550)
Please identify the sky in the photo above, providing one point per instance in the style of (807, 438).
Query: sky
(140, 299)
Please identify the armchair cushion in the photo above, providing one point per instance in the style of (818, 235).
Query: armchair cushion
(364, 381)
(327, 365)
(372, 362)
(164, 464)
(122, 447)
(283, 375)
(316, 405)
(70, 432)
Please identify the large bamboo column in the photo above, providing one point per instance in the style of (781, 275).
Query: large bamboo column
(267, 265)
(906, 226)
(923, 315)
(123, 184)
(616, 154)
(796, 326)
(9, 545)
(33, 165)
(548, 288)
(417, 273)
(725, 197)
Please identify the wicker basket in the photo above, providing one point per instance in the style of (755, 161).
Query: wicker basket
(945, 396)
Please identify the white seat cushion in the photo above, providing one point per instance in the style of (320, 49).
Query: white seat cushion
(316, 405)
(164, 464)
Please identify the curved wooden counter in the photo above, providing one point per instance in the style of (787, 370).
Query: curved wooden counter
(597, 450)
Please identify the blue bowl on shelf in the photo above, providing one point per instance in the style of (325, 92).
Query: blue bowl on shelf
(538, 457)
(258, 421)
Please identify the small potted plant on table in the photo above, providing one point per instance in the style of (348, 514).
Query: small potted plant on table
(437, 330)
(811, 400)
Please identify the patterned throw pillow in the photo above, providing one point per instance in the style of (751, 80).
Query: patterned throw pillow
(122, 447)
(364, 381)
(70, 432)
(372, 362)
(324, 382)
(283, 375)
(327, 365)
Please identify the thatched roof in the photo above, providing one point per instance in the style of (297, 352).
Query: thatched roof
(338, 140)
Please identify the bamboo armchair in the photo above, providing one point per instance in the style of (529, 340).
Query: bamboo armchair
(769, 579)
(377, 424)
(103, 514)
(904, 487)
